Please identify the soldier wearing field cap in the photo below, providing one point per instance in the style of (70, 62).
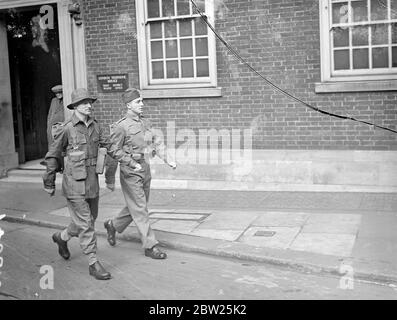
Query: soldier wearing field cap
(79, 138)
(133, 142)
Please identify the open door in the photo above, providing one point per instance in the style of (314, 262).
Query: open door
(34, 59)
(8, 157)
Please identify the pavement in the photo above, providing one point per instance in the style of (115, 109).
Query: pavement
(340, 233)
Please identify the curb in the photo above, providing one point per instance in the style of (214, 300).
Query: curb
(303, 267)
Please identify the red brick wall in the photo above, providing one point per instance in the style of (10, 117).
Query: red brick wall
(280, 38)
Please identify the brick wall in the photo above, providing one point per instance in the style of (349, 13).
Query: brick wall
(280, 38)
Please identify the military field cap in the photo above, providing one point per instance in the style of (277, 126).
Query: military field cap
(57, 89)
(130, 95)
(80, 95)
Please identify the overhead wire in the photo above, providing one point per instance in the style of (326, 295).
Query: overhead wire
(276, 87)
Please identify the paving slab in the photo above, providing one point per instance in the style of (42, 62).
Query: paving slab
(332, 223)
(175, 226)
(62, 212)
(229, 220)
(369, 247)
(229, 235)
(282, 238)
(177, 216)
(280, 219)
(379, 225)
(192, 211)
(324, 243)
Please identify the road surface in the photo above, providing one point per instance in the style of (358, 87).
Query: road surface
(27, 249)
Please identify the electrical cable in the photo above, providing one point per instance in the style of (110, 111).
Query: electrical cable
(284, 92)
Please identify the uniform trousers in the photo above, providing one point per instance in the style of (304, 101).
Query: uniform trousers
(136, 189)
(83, 213)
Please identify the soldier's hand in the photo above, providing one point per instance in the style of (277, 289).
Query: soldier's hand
(51, 192)
(110, 186)
(172, 164)
(138, 167)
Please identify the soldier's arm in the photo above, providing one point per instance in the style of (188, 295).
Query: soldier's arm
(54, 155)
(115, 150)
(159, 146)
(110, 170)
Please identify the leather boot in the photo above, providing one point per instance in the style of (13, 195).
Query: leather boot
(98, 271)
(155, 253)
(111, 232)
(62, 245)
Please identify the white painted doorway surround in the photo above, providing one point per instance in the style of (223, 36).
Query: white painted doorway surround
(71, 43)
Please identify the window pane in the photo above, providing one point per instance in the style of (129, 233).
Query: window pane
(340, 13)
(202, 68)
(360, 59)
(360, 36)
(380, 34)
(201, 47)
(185, 28)
(172, 69)
(200, 27)
(380, 57)
(394, 9)
(153, 7)
(170, 29)
(157, 70)
(394, 33)
(341, 37)
(168, 8)
(394, 58)
(155, 30)
(157, 49)
(341, 60)
(378, 10)
(360, 11)
(187, 68)
(171, 49)
(183, 7)
(200, 4)
(186, 48)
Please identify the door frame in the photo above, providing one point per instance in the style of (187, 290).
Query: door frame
(71, 45)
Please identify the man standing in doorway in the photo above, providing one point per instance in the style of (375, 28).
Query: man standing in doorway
(79, 138)
(133, 141)
(56, 113)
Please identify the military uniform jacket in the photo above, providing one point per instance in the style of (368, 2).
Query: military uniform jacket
(55, 114)
(133, 136)
(80, 142)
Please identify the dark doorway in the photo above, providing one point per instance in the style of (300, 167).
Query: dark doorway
(35, 67)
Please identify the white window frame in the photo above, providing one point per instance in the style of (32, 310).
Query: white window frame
(327, 57)
(143, 56)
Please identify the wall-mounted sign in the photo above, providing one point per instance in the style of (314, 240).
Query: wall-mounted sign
(112, 82)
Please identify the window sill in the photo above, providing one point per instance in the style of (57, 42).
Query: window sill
(356, 86)
(181, 93)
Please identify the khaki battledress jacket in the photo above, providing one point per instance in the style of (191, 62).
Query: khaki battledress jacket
(133, 137)
(80, 144)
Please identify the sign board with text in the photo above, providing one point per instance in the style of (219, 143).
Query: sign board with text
(109, 83)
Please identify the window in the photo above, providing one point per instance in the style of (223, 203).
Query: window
(358, 40)
(176, 48)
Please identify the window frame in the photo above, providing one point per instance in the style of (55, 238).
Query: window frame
(327, 74)
(143, 42)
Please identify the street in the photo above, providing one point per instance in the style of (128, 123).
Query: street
(182, 276)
